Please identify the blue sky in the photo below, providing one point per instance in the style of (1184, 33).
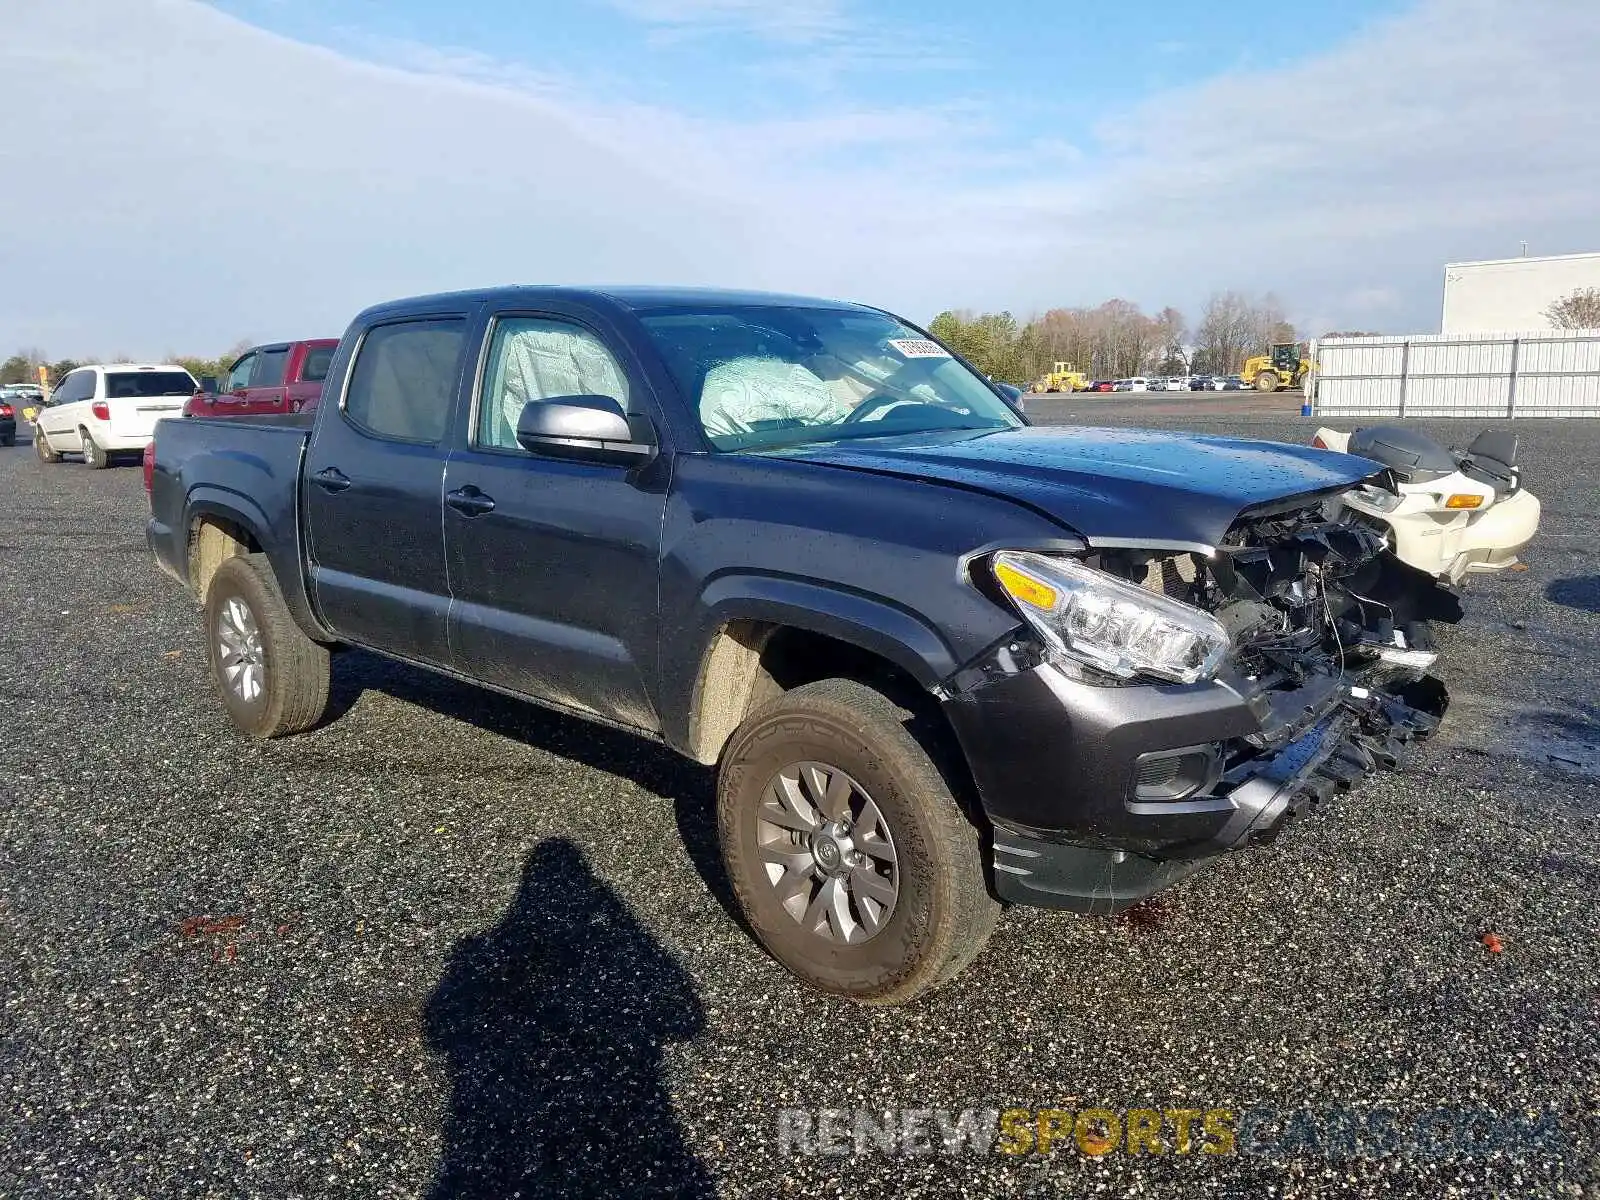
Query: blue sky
(265, 168)
(1032, 63)
(1032, 77)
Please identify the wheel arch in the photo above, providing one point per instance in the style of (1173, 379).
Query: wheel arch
(764, 637)
(221, 524)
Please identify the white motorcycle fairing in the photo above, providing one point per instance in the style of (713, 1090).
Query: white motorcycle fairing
(1446, 524)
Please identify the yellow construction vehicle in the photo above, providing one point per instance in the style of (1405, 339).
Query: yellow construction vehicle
(1284, 367)
(1063, 377)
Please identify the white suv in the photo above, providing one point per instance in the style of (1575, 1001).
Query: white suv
(104, 410)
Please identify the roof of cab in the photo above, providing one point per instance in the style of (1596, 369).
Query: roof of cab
(635, 298)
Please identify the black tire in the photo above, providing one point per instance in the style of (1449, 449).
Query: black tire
(41, 447)
(94, 457)
(9, 439)
(1267, 381)
(942, 913)
(293, 689)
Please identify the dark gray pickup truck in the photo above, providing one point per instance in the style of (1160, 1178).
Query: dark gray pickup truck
(940, 659)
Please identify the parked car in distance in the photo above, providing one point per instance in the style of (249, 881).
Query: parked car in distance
(1228, 383)
(24, 400)
(283, 377)
(1200, 383)
(1102, 385)
(8, 421)
(1177, 383)
(108, 409)
(798, 541)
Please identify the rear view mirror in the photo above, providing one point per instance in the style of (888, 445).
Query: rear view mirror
(208, 384)
(580, 427)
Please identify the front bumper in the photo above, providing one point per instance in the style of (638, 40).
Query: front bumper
(1055, 761)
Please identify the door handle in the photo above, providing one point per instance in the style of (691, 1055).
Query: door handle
(331, 479)
(469, 501)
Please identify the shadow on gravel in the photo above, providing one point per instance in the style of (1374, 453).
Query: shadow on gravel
(1581, 592)
(553, 1023)
(651, 766)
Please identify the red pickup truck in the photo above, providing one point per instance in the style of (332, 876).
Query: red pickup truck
(284, 377)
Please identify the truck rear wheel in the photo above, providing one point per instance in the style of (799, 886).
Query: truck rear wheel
(851, 860)
(272, 677)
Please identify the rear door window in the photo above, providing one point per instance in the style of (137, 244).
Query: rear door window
(315, 367)
(270, 368)
(404, 379)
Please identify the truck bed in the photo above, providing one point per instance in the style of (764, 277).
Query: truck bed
(234, 463)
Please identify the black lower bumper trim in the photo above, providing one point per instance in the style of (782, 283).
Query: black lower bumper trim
(1361, 736)
(1369, 730)
(1081, 879)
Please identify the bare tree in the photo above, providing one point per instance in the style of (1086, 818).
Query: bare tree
(1576, 310)
(1172, 334)
(1226, 330)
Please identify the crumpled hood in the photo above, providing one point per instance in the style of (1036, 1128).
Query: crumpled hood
(1109, 484)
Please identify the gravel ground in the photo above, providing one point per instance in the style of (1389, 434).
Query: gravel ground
(453, 945)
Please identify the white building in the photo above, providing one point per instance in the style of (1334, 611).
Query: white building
(1511, 294)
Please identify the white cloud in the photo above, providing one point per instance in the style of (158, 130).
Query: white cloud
(782, 20)
(201, 180)
(1449, 132)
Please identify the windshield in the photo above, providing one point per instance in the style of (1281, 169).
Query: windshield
(762, 376)
(125, 384)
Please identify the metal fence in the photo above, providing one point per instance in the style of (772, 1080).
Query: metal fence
(1547, 373)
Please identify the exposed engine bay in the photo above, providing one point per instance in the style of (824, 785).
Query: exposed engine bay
(1299, 594)
(1330, 643)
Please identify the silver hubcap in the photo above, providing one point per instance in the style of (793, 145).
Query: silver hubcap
(239, 642)
(828, 853)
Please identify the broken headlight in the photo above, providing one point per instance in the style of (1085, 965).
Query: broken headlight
(1382, 499)
(1114, 626)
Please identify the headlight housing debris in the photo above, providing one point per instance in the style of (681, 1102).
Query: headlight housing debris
(1114, 626)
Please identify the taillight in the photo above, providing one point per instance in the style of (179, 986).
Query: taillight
(6, 411)
(101, 410)
(149, 466)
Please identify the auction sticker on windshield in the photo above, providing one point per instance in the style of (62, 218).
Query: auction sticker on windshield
(919, 348)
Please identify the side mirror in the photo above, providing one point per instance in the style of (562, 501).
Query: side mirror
(208, 384)
(593, 427)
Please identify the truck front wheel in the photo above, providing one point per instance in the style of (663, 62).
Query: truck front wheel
(272, 677)
(1267, 381)
(851, 860)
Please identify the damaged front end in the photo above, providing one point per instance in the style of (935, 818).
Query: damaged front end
(1330, 653)
(1278, 670)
